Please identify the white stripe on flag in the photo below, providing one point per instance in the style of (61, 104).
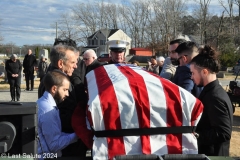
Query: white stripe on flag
(158, 111)
(189, 142)
(100, 144)
(126, 106)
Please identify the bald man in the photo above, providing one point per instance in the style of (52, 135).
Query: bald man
(90, 60)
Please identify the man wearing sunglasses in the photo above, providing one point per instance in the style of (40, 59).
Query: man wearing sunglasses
(186, 51)
(90, 60)
(171, 62)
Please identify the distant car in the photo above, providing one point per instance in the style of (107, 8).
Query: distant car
(104, 58)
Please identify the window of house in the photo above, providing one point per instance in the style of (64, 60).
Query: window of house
(102, 42)
(95, 42)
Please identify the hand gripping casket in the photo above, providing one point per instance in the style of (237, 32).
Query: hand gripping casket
(132, 111)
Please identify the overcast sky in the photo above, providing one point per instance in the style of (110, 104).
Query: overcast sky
(29, 21)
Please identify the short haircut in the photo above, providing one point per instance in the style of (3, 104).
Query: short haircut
(187, 47)
(90, 52)
(59, 52)
(161, 58)
(207, 58)
(67, 41)
(154, 57)
(54, 78)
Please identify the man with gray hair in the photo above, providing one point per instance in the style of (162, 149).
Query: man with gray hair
(14, 68)
(90, 59)
(64, 59)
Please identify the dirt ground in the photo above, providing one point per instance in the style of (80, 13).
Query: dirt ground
(235, 140)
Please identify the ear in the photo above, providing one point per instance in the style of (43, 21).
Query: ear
(205, 71)
(54, 89)
(60, 63)
(185, 58)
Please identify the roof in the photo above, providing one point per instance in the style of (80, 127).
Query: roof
(140, 49)
(105, 32)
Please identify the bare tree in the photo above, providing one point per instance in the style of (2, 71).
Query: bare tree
(67, 27)
(168, 15)
(237, 2)
(202, 14)
(229, 9)
(87, 15)
(111, 16)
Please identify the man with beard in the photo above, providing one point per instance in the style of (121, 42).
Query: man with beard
(215, 126)
(64, 59)
(51, 138)
(171, 62)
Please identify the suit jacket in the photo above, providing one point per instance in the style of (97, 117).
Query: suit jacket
(77, 79)
(13, 68)
(215, 125)
(78, 73)
(28, 63)
(183, 79)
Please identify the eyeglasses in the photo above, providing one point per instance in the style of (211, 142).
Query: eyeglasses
(85, 59)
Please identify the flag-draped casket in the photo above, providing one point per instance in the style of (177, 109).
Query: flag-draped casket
(134, 112)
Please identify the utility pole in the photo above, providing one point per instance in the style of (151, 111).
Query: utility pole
(20, 50)
(106, 39)
(56, 31)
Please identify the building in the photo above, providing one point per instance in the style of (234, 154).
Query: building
(97, 40)
(140, 52)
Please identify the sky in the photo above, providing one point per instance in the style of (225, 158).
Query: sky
(27, 22)
(30, 21)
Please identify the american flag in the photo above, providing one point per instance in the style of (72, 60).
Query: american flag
(123, 96)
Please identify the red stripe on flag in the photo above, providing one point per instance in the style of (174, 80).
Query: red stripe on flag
(110, 111)
(140, 94)
(174, 115)
(197, 110)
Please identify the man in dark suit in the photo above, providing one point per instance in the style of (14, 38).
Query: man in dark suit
(90, 60)
(215, 126)
(14, 68)
(29, 63)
